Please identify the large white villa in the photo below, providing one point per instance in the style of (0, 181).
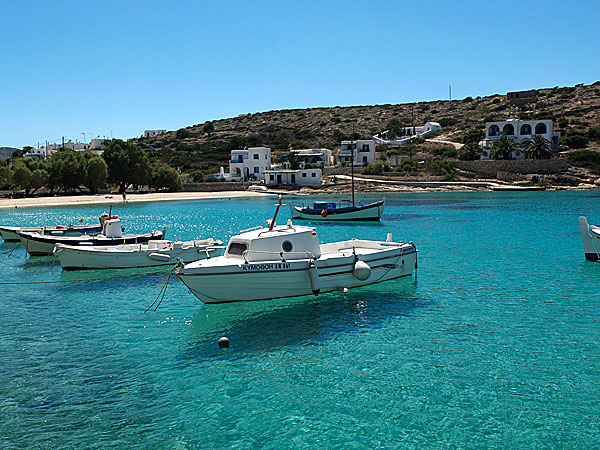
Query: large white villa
(317, 157)
(520, 131)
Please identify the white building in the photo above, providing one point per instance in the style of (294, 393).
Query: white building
(249, 163)
(362, 151)
(318, 157)
(410, 132)
(290, 177)
(40, 153)
(152, 133)
(520, 131)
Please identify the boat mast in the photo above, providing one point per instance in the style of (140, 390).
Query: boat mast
(272, 224)
(352, 161)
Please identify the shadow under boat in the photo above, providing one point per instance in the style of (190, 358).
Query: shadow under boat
(269, 325)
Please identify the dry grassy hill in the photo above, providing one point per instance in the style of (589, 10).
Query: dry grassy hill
(574, 110)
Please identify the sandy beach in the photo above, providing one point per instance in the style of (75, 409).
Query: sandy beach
(113, 199)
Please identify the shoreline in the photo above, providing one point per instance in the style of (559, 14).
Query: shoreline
(340, 189)
(115, 199)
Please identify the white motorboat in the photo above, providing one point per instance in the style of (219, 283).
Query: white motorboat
(288, 261)
(37, 244)
(11, 234)
(152, 253)
(590, 235)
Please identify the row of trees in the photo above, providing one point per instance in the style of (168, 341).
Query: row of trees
(122, 164)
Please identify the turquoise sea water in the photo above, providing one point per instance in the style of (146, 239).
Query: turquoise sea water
(494, 345)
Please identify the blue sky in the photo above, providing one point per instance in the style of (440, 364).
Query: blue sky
(119, 67)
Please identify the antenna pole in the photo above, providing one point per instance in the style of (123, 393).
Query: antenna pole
(352, 161)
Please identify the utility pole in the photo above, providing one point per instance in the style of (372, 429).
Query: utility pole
(63, 142)
(450, 92)
(83, 137)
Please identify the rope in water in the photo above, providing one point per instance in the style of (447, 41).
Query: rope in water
(82, 280)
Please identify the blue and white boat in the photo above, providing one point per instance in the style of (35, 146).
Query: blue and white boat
(342, 210)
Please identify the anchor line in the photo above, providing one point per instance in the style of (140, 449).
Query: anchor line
(11, 250)
(163, 290)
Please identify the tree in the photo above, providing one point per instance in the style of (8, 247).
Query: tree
(208, 128)
(127, 164)
(469, 152)
(165, 177)
(574, 139)
(294, 160)
(96, 173)
(538, 148)
(6, 176)
(473, 135)
(27, 175)
(66, 170)
(503, 148)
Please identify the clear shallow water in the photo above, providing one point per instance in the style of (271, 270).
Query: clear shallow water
(495, 345)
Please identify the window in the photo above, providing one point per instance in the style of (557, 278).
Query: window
(287, 246)
(508, 130)
(237, 248)
(303, 174)
(540, 128)
(494, 130)
(256, 170)
(255, 156)
(526, 129)
(314, 175)
(266, 156)
(272, 177)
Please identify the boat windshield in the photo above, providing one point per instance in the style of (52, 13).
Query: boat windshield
(237, 248)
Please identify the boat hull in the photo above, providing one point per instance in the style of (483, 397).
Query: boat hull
(40, 245)
(11, 234)
(278, 279)
(123, 257)
(372, 211)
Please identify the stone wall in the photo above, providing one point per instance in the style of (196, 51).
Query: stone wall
(522, 166)
(213, 187)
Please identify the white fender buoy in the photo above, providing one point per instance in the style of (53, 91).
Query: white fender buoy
(591, 253)
(159, 257)
(361, 271)
(313, 274)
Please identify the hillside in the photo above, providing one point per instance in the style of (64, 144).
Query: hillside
(575, 110)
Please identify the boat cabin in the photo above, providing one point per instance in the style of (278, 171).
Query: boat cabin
(325, 205)
(285, 242)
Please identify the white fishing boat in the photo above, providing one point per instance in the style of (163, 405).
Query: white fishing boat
(590, 235)
(37, 244)
(11, 234)
(152, 253)
(288, 261)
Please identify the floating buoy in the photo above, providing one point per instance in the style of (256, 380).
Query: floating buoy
(361, 271)
(224, 342)
(324, 213)
(313, 274)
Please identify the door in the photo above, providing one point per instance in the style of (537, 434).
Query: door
(293, 178)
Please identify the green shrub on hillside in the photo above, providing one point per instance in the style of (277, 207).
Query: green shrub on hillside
(407, 166)
(442, 168)
(574, 139)
(594, 134)
(376, 168)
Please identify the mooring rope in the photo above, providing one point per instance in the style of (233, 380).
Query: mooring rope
(11, 250)
(82, 280)
(163, 290)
